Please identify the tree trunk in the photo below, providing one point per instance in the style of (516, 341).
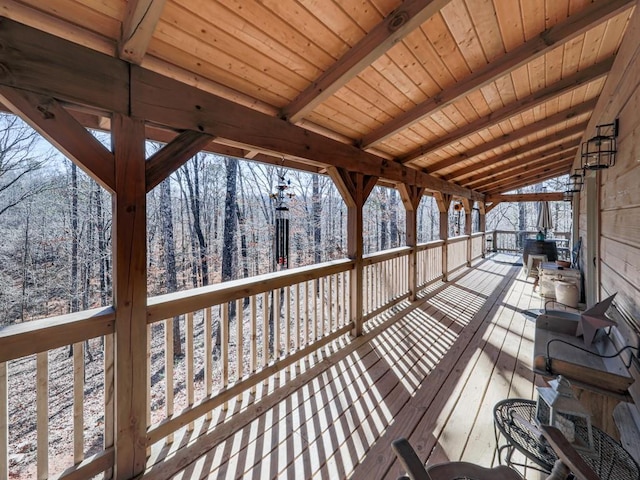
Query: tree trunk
(74, 306)
(230, 250)
(393, 219)
(169, 248)
(316, 208)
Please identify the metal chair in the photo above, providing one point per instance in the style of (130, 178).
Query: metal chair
(569, 463)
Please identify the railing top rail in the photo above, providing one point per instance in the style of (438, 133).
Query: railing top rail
(378, 257)
(457, 239)
(431, 244)
(36, 336)
(172, 304)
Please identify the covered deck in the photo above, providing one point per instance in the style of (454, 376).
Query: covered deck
(447, 98)
(430, 371)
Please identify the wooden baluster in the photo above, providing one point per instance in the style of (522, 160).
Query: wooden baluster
(239, 342)
(42, 414)
(188, 335)
(4, 422)
(224, 348)
(78, 402)
(323, 319)
(276, 323)
(109, 400)
(346, 306)
(148, 381)
(330, 297)
(208, 355)
(305, 328)
(168, 370)
(287, 320)
(265, 333)
(296, 333)
(253, 359)
(316, 289)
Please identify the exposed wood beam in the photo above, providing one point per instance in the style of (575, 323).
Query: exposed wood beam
(172, 156)
(58, 27)
(54, 67)
(48, 65)
(575, 25)
(532, 180)
(523, 132)
(527, 172)
(399, 23)
(165, 101)
(138, 26)
(53, 122)
(527, 197)
(485, 179)
(560, 88)
(568, 137)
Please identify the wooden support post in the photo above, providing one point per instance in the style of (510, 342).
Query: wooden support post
(468, 205)
(411, 197)
(130, 296)
(483, 226)
(355, 189)
(443, 200)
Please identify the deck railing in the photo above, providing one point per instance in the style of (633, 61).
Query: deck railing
(385, 280)
(457, 249)
(235, 337)
(56, 348)
(510, 241)
(429, 261)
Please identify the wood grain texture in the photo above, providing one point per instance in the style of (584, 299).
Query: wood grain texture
(138, 26)
(130, 297)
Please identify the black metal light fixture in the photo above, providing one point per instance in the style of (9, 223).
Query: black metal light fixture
(599, 152)
(575, 182)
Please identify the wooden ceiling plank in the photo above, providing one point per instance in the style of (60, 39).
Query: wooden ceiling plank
(173, 155)
(569, 138)
(537, 98)
(536, 47)
(515, 135)
(410, 15)
(138, 26)
(53, 122)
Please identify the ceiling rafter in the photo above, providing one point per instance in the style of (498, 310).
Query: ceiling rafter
(138, 26)
(569, 137)
(562, 87)
(525, 171)
(55, 67)
(503, 172)
(547, 40)
(398, 24)
(531, 180)
(518, 134)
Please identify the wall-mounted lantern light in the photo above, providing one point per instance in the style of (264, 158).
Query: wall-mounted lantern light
(599, 152)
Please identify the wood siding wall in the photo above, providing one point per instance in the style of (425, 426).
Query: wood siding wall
(619, 191)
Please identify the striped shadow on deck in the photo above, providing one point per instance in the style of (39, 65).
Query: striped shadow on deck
(432, 374)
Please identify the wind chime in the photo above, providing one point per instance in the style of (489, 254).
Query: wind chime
(282, 223)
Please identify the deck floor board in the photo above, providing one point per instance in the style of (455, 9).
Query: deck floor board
(431, 373)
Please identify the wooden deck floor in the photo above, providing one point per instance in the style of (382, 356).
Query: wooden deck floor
(431, 373)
